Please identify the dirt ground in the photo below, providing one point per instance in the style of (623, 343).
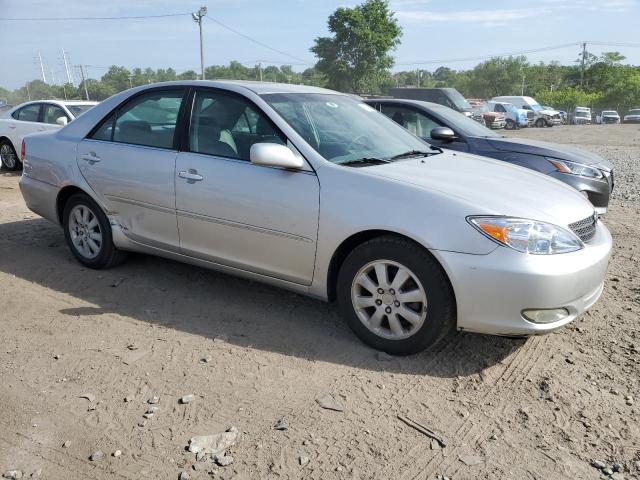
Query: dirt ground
(540, 408)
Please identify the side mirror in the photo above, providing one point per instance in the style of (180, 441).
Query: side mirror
(61, 121)
(274, 155)
(444, 134)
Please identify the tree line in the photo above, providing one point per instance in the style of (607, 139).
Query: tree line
(356, 58)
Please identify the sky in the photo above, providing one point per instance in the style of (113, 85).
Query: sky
(434, 30)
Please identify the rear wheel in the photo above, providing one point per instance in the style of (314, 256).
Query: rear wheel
(510, 125)
(88, 233)
(8, 156)
(395, 296)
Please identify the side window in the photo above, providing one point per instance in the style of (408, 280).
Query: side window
(416, 122)
(29, 113)
(149, 120)
(500, 108)
(227, 126)
(105, 131)
(53, 112)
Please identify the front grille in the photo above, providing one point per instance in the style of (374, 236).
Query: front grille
(530, 115)
(585, 229)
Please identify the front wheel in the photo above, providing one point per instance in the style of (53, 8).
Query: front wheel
(395, 296)
(8, 156)
(510, 125)
(540, 123)
(88, 233)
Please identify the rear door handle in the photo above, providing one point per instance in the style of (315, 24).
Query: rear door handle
(11, 125)
(191, 175)
(91, 158)
(41, 129)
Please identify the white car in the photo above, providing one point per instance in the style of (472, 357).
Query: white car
(633, 116)
(31, 117)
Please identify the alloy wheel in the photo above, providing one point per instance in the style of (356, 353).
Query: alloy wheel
(85, 231)
(8, 156)
(389, 299)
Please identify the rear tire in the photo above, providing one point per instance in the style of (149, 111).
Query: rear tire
(8, 157)
(510, 125)
(409, 309)
(88, 233)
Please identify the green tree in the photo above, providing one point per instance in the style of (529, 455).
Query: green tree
(356, 58)
(568, 98)
(498, 76)
(116, 78)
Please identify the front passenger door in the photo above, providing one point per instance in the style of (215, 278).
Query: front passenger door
(232, 212)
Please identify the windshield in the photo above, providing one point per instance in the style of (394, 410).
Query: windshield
(341, 128)
(582, 114)
(634, 112)
(609, 112)
(535, 107)
(78, 110)
(459, 122)
(458, 100)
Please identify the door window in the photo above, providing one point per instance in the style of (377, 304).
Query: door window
(53, 112)
(227, 126)
(29, 113)
(414, 121)
(500, 108)
(149, 120)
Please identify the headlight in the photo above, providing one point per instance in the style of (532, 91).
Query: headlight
(575, 168)
(527, 236)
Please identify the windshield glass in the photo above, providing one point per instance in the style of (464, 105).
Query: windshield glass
(459, 122)
(78, 110)
(609, 112)
(458, 100)
(634, 112)
(535, 107)
(582, 114)
(341, 128)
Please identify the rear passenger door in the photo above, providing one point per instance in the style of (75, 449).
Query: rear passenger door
(129, 161)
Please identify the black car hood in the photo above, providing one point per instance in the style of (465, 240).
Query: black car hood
(552, 150)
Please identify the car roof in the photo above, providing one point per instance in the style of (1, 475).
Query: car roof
(254, 86)
(405, 101)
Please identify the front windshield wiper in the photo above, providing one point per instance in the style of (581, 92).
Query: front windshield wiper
(365, 161)
(416, 153)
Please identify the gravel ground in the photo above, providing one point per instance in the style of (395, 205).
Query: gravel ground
(83, 352)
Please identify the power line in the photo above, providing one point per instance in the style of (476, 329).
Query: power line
(257, 42)
(124, 17)
(484, 57)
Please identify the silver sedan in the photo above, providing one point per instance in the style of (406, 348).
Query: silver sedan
(314, 191)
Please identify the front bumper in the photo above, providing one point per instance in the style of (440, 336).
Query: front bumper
(492, 290)
(596, 191)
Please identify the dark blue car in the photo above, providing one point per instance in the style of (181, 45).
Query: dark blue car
(443, 127)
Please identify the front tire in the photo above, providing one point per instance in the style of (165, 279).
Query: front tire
(8, 157)
(88, 233)
(510, 125)
(540, 123)
(395, 296)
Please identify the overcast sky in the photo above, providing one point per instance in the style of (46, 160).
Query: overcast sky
(433, 30)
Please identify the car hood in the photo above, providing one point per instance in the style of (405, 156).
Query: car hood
(553, 150)
(490, 187)
(610, 115)
(549, 112)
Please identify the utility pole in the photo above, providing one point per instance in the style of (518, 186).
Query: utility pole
(84, 81)
(584, 53)
(418, 77)
(44, 78)
(66, 68)
(28, 92)
(130, 82)
(197, 17)
(260, 70)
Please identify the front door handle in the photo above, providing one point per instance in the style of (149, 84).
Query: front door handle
(11, 125)
(41, 129)
(91, 158)
(191, 175)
